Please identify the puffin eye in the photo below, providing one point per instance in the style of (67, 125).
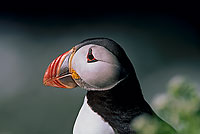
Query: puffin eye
(90, 57)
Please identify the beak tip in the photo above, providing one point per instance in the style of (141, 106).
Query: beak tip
(46, 77)
(44, 83)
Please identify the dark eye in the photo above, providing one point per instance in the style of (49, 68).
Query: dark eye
(90, 57)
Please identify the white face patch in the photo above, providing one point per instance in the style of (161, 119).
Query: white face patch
(102, 74)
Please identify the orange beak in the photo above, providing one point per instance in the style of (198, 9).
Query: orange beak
(58, 73)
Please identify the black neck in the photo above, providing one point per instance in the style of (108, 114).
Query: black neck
(119, 105)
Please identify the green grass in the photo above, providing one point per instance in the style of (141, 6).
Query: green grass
(179, 106)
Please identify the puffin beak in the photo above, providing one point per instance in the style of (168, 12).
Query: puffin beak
(58, 73)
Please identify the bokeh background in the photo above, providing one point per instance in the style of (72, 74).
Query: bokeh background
(161, 43)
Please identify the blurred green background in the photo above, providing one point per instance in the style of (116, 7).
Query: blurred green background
(160, 44)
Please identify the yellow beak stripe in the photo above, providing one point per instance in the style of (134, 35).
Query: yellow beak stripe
(71, 70)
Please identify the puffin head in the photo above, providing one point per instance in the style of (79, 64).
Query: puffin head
(94, 64)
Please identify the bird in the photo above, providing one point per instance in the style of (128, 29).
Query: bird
(114, 96)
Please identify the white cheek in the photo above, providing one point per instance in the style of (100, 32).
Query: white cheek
(100, 74)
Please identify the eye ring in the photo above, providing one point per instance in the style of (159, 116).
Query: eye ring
(90, 57)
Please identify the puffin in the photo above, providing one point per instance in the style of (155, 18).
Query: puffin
(114, 96)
